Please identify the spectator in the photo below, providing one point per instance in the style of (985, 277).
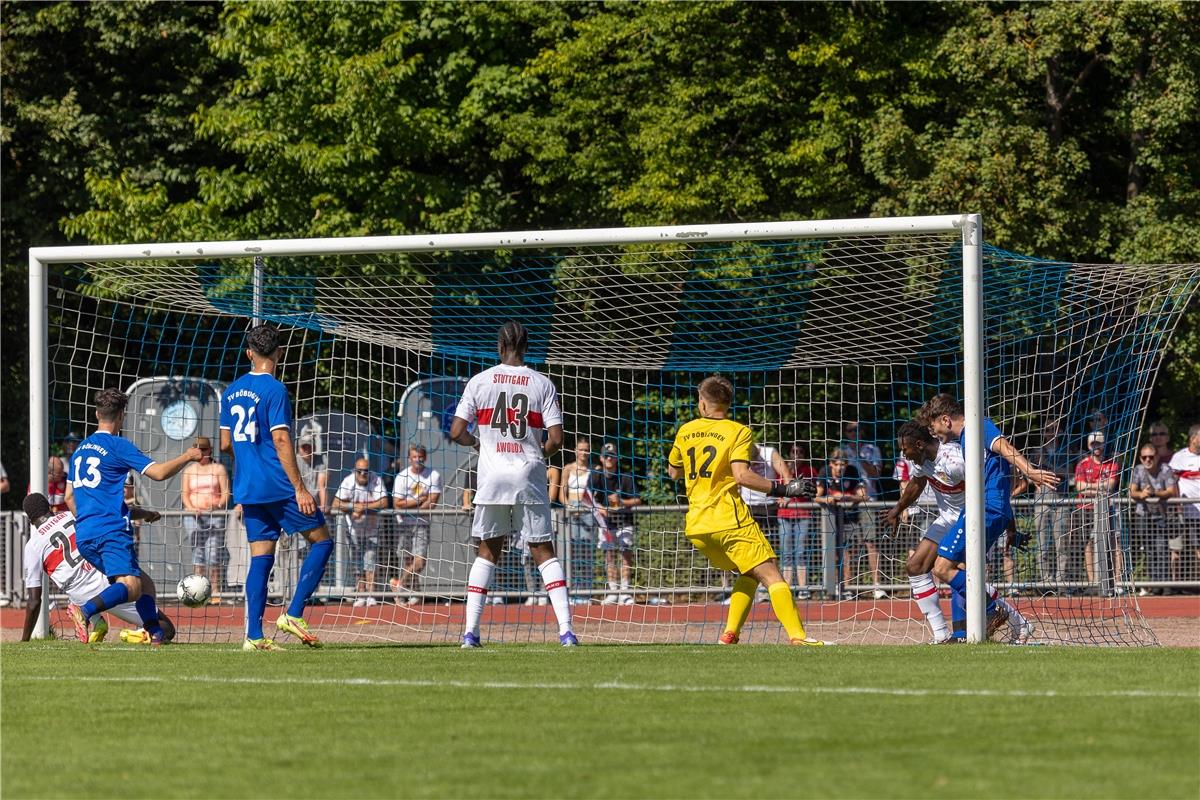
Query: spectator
(1186, 466)
(359, 496)
(868, 461)
(3, 479)
(841, 489)
(768, 464)
(133, 521)
(205, 493)
(616, 494)
(1095, 482)
(794, 524)
(1052, 517)
(1151, 485)
(56, 485)
(579, 511)
(313, 473)
(1160, 437)
(416, 489)
(69, 443)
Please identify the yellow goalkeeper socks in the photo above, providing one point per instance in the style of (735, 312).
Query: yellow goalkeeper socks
(785, 610)
(740, 602)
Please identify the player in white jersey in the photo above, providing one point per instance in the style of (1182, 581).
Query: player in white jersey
(51, 550)
(941, 467)
(518, 426)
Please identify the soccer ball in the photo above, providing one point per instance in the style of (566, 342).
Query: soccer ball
(194, 590)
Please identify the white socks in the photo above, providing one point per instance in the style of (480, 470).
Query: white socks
(478, 580)
(556, 586)
(925, 592)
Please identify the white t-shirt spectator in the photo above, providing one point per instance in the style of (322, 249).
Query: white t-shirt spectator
(415, 486)
(351, 491)
(1186, 466)
(512, 407)
(763, 464)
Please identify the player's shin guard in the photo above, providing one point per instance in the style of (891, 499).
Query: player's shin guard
(256, 594)
(925, 593)
(555, 581)
(311, 572)
(478, 580)
(739, 603)
(114, 595)
(148, 612)
(784, 606)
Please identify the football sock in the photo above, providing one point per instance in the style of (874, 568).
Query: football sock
(256, 593)
(1015, 620)
(739, 603)
(556, 586)
(310, 575)
(478, 580)
(925, 593)
(784, 606)
(148, 611)
(114, 595)
(958, 604)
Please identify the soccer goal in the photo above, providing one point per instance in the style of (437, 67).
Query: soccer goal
(833, 333)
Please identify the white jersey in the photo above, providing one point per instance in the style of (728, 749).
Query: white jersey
(763, 466)
(51, 549)
(947, 475)
(410, 486)
(1186, 466)
(351, 491)
(904, 472)
(513, 407)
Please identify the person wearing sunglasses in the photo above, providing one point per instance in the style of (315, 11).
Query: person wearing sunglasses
(1152, 484)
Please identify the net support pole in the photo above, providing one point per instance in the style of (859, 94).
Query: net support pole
(39, 406)
(973, 407)
(259, 269)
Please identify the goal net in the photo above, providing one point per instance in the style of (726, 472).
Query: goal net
(831, 342)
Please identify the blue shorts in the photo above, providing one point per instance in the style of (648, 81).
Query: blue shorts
(113, 554)
(265, 521)
(954, 544)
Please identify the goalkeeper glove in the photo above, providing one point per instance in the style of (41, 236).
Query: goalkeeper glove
(796, 487)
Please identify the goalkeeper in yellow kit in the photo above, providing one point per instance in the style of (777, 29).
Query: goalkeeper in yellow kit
(713, 456)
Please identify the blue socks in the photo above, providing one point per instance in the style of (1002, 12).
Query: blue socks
(310, 575)
(256, 593)
(148, 611)
(114, 595)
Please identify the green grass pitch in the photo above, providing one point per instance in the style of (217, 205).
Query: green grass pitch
(619, 721)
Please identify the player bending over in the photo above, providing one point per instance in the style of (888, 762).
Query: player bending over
(96, 496)
(945, 419)
(514, 408)
(713, 456)
(938, 465)
(51, 549)
(256, 423)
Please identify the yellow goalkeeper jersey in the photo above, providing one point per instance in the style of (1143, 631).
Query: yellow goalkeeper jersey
(704, 449)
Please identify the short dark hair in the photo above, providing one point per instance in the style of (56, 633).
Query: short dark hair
(717, 390)
(36, 506)
(110, 404)
(263, 340)
(914, 431)
(513, 338)
(420, 448)
(937, 406)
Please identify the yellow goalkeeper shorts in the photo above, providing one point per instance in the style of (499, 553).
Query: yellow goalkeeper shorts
(738, 550)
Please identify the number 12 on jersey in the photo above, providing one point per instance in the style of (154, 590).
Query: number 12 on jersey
(704, 471)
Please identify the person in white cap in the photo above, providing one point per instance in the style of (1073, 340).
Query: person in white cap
(1096, 477)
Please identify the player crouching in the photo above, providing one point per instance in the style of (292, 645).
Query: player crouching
(51, 549)
(713, 456)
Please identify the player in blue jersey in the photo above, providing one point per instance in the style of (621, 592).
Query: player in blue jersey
(946, 420)
(256, 429)
(96, 495)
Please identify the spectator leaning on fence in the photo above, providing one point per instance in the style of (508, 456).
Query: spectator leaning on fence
(1186, 466)
(1152, 484)
(1095, 482)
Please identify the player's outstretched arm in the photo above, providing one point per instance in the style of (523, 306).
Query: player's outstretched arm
(162, 470)
(144, 514)
(912, 490)
(287, 459)
(796, 487)
(554, 440)
(1038, 477)
(460, 435)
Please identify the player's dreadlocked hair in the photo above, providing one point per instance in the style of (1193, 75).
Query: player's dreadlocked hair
(914, 431)
(36, 506)
(110, 404)
(263, 340)
(513, 338)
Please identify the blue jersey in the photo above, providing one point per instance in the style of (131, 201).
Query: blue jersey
(97, 471)
(252, 407)
(997, 473)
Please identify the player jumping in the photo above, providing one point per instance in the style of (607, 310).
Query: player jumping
(96, 496)
(256, 422)
(713, 456)
(945, 419)
(513, 407)
(51, 549)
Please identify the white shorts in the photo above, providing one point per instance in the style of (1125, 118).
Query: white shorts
(531, 522)
(616, 539)
(937, 529)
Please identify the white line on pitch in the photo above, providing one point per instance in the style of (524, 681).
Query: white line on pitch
(612, 685)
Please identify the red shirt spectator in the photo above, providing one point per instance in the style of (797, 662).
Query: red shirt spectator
(56, 485)
(798, 461)
(1093, 474)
